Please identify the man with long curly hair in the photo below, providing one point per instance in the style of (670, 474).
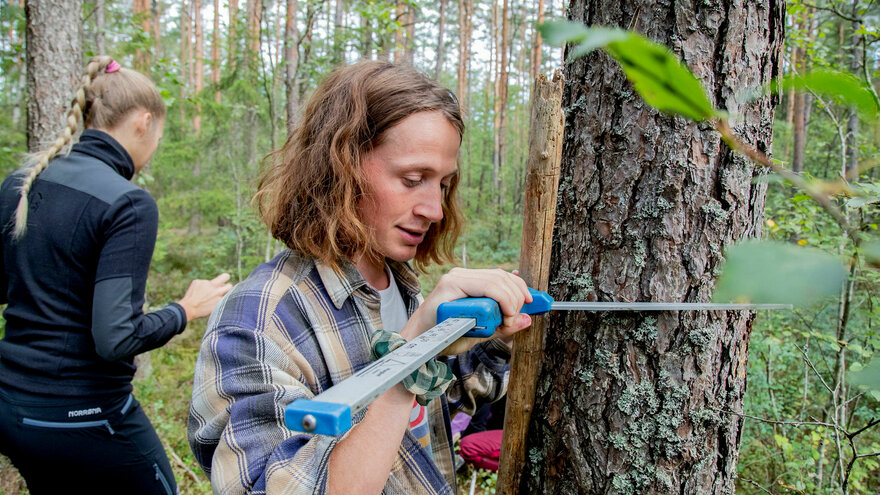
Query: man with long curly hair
(364, 184)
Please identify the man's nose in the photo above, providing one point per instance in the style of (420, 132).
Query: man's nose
(430, 205)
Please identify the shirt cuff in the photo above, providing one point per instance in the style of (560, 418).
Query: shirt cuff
(497, 348)
(180, 314)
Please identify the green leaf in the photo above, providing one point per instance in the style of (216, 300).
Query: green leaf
(775, 272)
(656, 73)
(841, 87)
(562, 32)
(662, 80)
(597, 38)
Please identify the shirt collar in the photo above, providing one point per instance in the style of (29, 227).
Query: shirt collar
(342, 284)
(102, 146)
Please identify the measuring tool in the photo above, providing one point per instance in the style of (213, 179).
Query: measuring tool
(330, 412)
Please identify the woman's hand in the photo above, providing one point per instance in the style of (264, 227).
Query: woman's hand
(507, 289)
(203, 295)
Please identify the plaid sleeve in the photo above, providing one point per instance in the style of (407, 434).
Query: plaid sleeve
(243, 381)
(481, 374)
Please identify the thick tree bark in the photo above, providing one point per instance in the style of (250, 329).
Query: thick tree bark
(637, 403)
(53, 37)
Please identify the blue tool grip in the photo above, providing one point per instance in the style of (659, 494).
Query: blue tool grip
(327, 418)
(487, 313)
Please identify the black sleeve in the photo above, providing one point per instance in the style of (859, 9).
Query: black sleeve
(120, 328)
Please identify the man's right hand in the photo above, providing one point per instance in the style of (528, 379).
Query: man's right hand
(507, 289)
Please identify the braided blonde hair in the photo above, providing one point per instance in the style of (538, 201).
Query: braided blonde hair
(101, 102)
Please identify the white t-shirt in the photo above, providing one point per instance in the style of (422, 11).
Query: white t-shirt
(394, 317)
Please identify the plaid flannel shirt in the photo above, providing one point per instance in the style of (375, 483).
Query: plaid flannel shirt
(293, 329)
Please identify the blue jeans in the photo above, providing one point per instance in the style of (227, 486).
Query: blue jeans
(64, 445)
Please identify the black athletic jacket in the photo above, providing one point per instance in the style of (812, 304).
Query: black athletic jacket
(75, 281)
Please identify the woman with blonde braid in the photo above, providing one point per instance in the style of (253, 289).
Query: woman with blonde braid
(76, 243)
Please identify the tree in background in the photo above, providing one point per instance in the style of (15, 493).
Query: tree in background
(54, 64)
(647, 202)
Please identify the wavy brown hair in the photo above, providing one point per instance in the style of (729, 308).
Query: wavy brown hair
(309, 190)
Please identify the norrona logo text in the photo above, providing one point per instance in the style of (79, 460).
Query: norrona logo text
(83, 412)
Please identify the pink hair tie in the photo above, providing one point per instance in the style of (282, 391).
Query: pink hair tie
(113, 66)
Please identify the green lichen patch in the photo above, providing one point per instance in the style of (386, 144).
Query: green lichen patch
(714, 210)
(646, 332)
(641, 253)
(700, 338)
(655, 411)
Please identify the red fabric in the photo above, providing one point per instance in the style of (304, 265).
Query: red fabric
(482, 449)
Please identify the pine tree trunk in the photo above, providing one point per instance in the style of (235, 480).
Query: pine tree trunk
(185, 57)
(141, 11)
(215, 53)
(53, 37)
(500, 104)
(291, 64)
(233, 34)
(535, 67)
(254, 20)
(100, 26)
(338, 26)
(156, 14)
(399, 40)
(637, 403)
(441, 49)
(410, 47)
(199, 79)
(463, 52)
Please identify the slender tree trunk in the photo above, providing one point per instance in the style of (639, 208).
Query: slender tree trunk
(410, 48)
(254, 20)
(441, 48)
(53, 37)
(463, 53)
(185, 57)
(215, 53)
(535, 67)
(400, 17)
(291, 65)
(338, 32)
(366, 37)
(99, 27)
(195, 219)
(635, 403)
(156, 16)
(232, 52)
(199, 79)
(500, 105)
(141, 11)
(852, 121)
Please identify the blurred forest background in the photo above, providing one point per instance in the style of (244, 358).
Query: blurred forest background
(235, 73)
